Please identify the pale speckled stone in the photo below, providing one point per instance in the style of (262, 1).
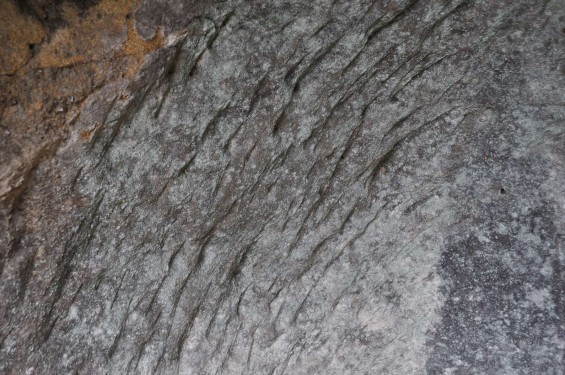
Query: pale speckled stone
(327, 187)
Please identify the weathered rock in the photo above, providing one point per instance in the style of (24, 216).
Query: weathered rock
(247, 187)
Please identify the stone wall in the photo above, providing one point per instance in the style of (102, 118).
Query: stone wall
(259, 187)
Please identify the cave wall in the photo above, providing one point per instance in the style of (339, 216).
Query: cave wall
(325, 187)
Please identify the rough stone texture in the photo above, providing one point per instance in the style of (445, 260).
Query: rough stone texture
(325, 187)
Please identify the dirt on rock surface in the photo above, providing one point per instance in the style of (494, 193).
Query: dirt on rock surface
(55, 54)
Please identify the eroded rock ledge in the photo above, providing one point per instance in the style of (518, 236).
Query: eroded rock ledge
(320, 187)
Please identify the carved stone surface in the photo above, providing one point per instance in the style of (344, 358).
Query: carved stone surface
(324, 187)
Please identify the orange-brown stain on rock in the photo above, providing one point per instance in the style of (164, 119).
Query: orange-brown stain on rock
(105, 31)
(138, 48)
(47, 73)
(86, 135)
(18, 35)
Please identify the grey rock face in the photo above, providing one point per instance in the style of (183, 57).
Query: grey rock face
(327, 187)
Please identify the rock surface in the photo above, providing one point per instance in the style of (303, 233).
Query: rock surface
(325, 187)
